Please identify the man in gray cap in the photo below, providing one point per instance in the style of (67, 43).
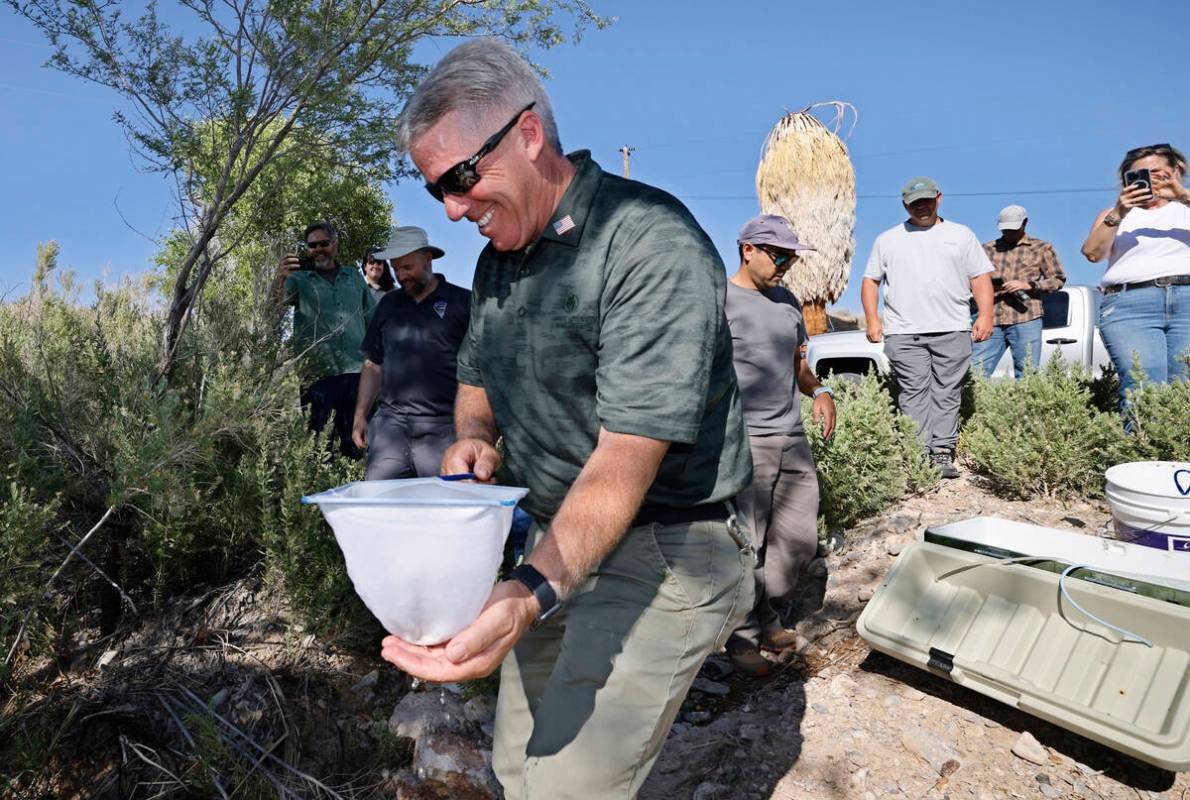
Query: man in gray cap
(781, 505)
(930, 268)
(411, 350)
(1025, 269)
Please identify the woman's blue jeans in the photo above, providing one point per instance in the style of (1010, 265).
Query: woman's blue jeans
(1150, 325)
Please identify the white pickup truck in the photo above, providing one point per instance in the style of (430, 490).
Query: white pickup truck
(1068, 327)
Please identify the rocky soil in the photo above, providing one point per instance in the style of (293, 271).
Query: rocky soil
(224, 696)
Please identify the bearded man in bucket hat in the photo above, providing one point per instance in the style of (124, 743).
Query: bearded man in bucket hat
(410, 353)
(781, 506)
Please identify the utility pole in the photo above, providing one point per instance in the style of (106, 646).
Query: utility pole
(627, 151)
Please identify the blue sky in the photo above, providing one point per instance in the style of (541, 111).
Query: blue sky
(999, 102)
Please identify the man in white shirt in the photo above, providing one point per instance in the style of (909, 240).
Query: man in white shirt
(930, 268)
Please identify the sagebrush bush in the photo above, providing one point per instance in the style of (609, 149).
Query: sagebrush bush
(1042, 435)
(196, 477)
(1159, 414)
(872, 460)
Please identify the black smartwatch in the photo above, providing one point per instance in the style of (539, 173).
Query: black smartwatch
(536, 583)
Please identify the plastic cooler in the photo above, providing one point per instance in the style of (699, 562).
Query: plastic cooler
(422, 553)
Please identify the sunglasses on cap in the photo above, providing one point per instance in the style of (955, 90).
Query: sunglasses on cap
(780, 257)
(462, 177)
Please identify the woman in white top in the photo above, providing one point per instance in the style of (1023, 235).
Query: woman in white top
(1145, 313)
(378, 276)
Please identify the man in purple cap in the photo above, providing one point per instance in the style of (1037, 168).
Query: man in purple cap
(781, 505)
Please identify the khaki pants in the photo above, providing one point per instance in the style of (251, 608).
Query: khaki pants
(780, 509)
(587, 700)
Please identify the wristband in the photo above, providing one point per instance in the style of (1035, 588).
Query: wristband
(824, 390)
(540, 588)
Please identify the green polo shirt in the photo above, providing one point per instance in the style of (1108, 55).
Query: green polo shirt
(613, 317)
(329, 319)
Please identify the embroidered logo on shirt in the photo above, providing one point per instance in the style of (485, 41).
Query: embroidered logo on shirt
(563, 225)
(440, 309)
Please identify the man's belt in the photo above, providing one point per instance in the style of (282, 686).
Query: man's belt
(1171, 280)
(654, 514)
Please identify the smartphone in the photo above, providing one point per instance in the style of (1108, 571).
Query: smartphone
(1140, 177)
(305, 260)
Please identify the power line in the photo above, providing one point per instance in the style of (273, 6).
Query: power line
(896, 196)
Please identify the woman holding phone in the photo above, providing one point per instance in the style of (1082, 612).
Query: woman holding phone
(1145, 236)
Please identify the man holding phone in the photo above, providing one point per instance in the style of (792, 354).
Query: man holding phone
(1025, 269)
(331, 305)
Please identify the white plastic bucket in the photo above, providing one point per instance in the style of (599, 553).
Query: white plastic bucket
(1150, 501)
(422, 553)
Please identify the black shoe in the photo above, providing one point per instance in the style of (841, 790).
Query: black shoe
(945, 464)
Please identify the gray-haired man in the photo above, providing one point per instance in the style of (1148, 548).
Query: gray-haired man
(598, 349)
(930, 268)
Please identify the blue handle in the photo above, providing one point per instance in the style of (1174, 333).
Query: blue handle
(461, 476)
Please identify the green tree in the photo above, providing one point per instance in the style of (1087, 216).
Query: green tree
(286, 79)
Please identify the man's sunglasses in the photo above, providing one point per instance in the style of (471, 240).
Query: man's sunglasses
(780, 257)
(318, 244)
(462, 177)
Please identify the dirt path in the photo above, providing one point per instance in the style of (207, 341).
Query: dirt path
(839, 721)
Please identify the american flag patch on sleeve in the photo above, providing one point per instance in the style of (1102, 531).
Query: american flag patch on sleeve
(563, 225)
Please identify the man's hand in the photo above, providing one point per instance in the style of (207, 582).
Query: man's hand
(478, 649)
(359, 431)
(288, 265)
(875, 330)
(471, 455)
(1016, 286)
(982, 329)
(823, 411)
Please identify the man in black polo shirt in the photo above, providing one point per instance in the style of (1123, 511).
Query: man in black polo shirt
(411, 349)
(599, 352)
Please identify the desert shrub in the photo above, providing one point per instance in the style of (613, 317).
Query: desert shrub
(1042, 435)
(1159, 414)
(873, 458)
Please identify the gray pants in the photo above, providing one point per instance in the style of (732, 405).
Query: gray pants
(930, 368)
(402, 446)
(780, 509)
(587, 699)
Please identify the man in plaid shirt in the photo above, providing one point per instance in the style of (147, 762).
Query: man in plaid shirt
(1025, 268)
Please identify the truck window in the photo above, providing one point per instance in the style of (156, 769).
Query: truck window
(1055, 310)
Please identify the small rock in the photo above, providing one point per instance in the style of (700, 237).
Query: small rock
(841, 685)
(711, 791)
(891, 702)
(864, 595)
(893, 548)
(108, 657)
(1028, 748)
(902, 522)
(480, 709)
(698, 717)
(717, 668)
(680, 728)
(455, 761)
(421, 712)
(856, 757)
(1074, 521)
(940, 754)
(750, 732)
(909, 693)
(821, 708)
(1045, 787)
(220, 697)
(858, 782)
(367, 682)
(707, 686)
